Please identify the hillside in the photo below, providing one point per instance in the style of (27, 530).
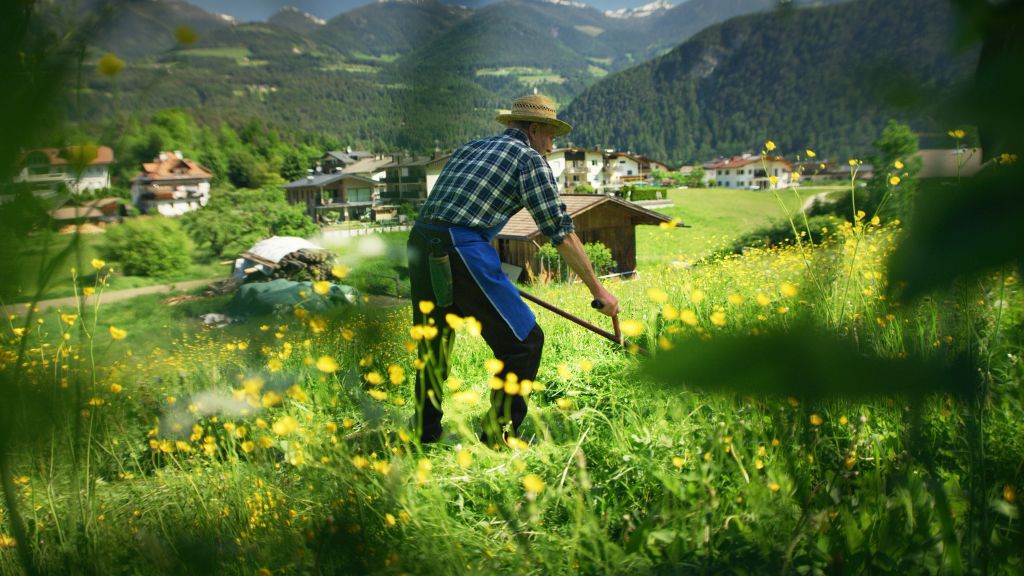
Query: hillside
(805, 78)
(136, 29)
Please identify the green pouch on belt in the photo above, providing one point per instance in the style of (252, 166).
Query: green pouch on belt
(440, 273)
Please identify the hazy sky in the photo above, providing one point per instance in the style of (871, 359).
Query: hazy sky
(247, 10)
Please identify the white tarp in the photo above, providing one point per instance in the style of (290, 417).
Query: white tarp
(273, 249)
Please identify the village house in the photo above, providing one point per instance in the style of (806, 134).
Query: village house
(341, 160)
(50, 168)
(171, 185)
(405, 180)
(109, 209)
(949, 163)
(749, 172)
(332, 197)
(647, 165)
(573, 167)
(621, 168)
(597, 218)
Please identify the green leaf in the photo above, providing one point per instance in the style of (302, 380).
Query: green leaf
(804, 362)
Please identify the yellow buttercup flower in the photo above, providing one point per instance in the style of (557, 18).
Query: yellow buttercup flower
(110, 65)
(688, 317)
(898, 165)
(894, 180)
(810, 153)
(285, 425)
(117, 333)
(816, 420)
(340, 271)
(464, 458)
(769, 145)
(533, 483)
(88, 291)
(774, 180)
(185, 35)
(788, 290)
(323, 287)
(493, 365)
(718, 318)
(958, 133)
(631, 328)
(454, 321)
(97, 263)
(657, 295)
(426, 306)
(327, 364)
(697, 296)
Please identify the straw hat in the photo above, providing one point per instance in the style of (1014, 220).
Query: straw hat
(535, 108)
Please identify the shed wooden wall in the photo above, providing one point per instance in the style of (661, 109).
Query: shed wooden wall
(606, 224)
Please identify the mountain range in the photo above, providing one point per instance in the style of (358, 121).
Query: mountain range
(422, 73)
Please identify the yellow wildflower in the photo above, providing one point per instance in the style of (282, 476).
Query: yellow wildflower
(669, 312)
(185, 35)
(810, 153)
(340, 271)
(88, 291)
(493, 365)
(773, 180)
(894, 180)
(97, 263)
(769, 145)
(464, 458)
(454, 321)
(898, 165)
(533, 483)
(373, 378)
(285, 425)
(718, 318)
(774, 486)
(110, 65)
(389, 520)
(631, 328)
(657, 295)
(788, 290)
(117, 333)
(426, 306)
(697, 296)
(816, 420)
(248, 446)
(678, 461)
(327, 364)
(689, 317)
(323, 287)
(473, 327)
(115, 388)
(564, 403)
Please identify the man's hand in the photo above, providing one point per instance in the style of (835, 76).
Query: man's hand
(571, 250)
(609, 303)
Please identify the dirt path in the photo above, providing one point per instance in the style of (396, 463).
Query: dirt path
(72, 302)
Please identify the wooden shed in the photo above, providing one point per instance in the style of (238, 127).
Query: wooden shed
(597, 218)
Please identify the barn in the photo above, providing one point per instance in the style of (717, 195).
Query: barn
(597, 218)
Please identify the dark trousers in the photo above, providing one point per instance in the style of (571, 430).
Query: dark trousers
(521, 358)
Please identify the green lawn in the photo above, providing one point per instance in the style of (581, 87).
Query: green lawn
(57, 250)
(715, 216)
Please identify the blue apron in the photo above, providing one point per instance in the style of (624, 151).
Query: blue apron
(474, 246)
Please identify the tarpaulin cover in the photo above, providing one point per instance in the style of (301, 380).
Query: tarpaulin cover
(284, 295)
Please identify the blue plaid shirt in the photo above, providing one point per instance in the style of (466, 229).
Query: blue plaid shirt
(488, 180)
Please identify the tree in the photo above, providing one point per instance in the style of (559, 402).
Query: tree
(149, 247)
(294, 167)
(234, 220)
(898, 143)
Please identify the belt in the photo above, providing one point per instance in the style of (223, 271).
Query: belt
(432, 222)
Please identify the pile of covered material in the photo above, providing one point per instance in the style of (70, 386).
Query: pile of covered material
(286, 257)
(282, 273)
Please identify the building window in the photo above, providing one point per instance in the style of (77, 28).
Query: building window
(405, 172)
(629, 172)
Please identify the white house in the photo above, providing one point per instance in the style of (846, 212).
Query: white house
(749, 171)
(171, 185)
(621, 168)
(433, 169)
(79, 168)
(573, 167)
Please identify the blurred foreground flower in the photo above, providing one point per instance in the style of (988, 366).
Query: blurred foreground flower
(185, 35)
(118, 334)
(110, 65)
(533, 483)
(327, 364)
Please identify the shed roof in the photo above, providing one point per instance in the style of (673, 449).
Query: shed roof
(522, 227)
(89, 154)
(271, 250)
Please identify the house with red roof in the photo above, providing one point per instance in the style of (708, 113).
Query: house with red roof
(78, 168)
(171, 185)
(749, 171)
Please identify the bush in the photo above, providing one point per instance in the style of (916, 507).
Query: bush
(583, 189)
(599, 255)
(149, 247)
(638, 193)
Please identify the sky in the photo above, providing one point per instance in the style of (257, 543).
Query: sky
(249, 10)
